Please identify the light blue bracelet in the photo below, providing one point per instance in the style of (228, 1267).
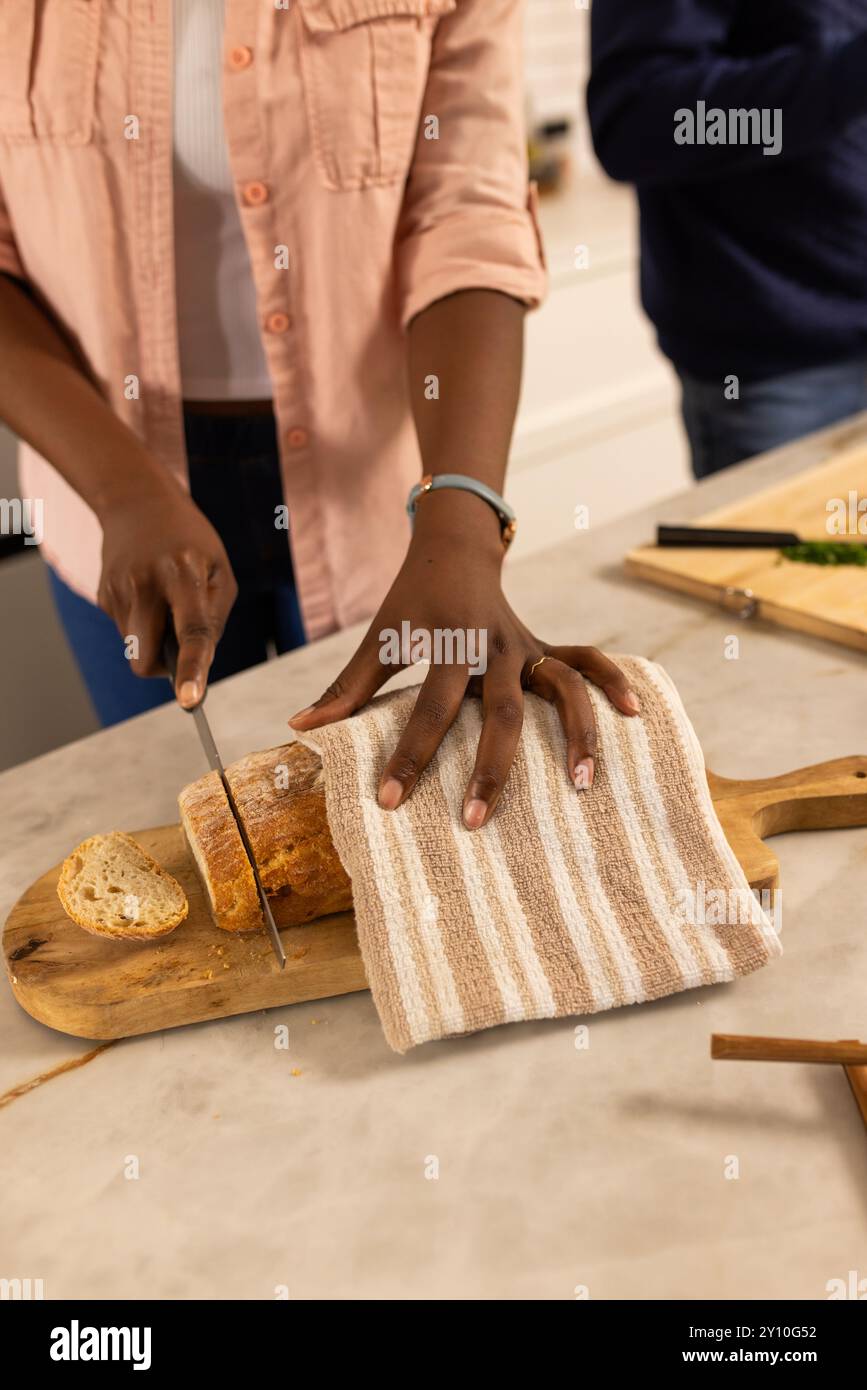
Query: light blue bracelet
(433, 482)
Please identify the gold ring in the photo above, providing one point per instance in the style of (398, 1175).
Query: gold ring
(533, 667)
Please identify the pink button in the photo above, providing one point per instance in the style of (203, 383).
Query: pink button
(255, 194)
(240, 57)
(297, 438)
(277, 322)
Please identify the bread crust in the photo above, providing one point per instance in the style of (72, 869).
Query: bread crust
(280, 795)
(66, 893)
(219, 854)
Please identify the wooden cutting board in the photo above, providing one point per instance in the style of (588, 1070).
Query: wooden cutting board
(823, 600)
(94, 988)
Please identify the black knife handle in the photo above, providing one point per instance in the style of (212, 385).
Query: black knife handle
(171, 651)
(170, 654)
(724, 537)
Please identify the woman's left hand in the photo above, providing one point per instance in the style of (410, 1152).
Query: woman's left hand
(450, 582)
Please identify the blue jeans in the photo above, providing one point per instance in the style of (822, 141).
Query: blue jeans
(235, 480)
(768, 414)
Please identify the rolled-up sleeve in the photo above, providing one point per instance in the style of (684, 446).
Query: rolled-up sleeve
(469, 219)
(10, 262)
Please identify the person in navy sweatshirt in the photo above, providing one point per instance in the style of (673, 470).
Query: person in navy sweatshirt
(743, 126)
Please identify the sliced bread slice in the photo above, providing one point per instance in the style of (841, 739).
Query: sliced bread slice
(111, 887)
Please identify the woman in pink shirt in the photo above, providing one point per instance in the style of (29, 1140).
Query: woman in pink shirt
(264, 265)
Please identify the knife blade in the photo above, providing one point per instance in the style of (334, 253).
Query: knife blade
(215, 762)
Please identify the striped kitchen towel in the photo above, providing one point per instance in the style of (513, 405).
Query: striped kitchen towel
(566, 902)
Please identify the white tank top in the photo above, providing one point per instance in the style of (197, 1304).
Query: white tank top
(220, 343)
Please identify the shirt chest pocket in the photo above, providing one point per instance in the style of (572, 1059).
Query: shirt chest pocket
(48, 59)
(364, 66)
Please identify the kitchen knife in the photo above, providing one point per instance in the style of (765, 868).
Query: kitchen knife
(724, 536)
(735, 538)
(170, 659)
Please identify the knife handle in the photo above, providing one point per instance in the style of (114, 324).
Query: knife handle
(171, 651)
(170, 654)
(724, 536)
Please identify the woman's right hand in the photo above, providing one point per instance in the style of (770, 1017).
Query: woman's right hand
(161, 556)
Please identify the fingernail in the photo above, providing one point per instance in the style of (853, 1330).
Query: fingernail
(583, 774)
(390, 794)
(302, 714)
(190, 693)
(474, 813)
(631, 701)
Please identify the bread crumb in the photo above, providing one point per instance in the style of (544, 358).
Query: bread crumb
(296, 1071)
(216, 1115)
(300, 953)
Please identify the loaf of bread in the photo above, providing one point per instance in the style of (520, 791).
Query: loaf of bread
(219, 855)
(280, 796)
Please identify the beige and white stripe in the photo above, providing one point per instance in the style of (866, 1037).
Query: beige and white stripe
(567, 902)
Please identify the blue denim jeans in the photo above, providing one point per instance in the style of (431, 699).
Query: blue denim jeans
(235, 481)
(768, 413)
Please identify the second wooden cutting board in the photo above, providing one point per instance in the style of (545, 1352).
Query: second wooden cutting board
(823, 600)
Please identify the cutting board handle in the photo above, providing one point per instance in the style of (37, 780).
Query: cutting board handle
(825, 796)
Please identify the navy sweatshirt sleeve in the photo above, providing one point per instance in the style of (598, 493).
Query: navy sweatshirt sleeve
(653, 57)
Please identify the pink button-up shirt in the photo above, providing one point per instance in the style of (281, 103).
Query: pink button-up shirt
(380, 141)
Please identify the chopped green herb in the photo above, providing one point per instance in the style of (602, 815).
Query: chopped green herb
(827, 553)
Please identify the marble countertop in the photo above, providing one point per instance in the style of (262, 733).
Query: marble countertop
(266, 1172)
